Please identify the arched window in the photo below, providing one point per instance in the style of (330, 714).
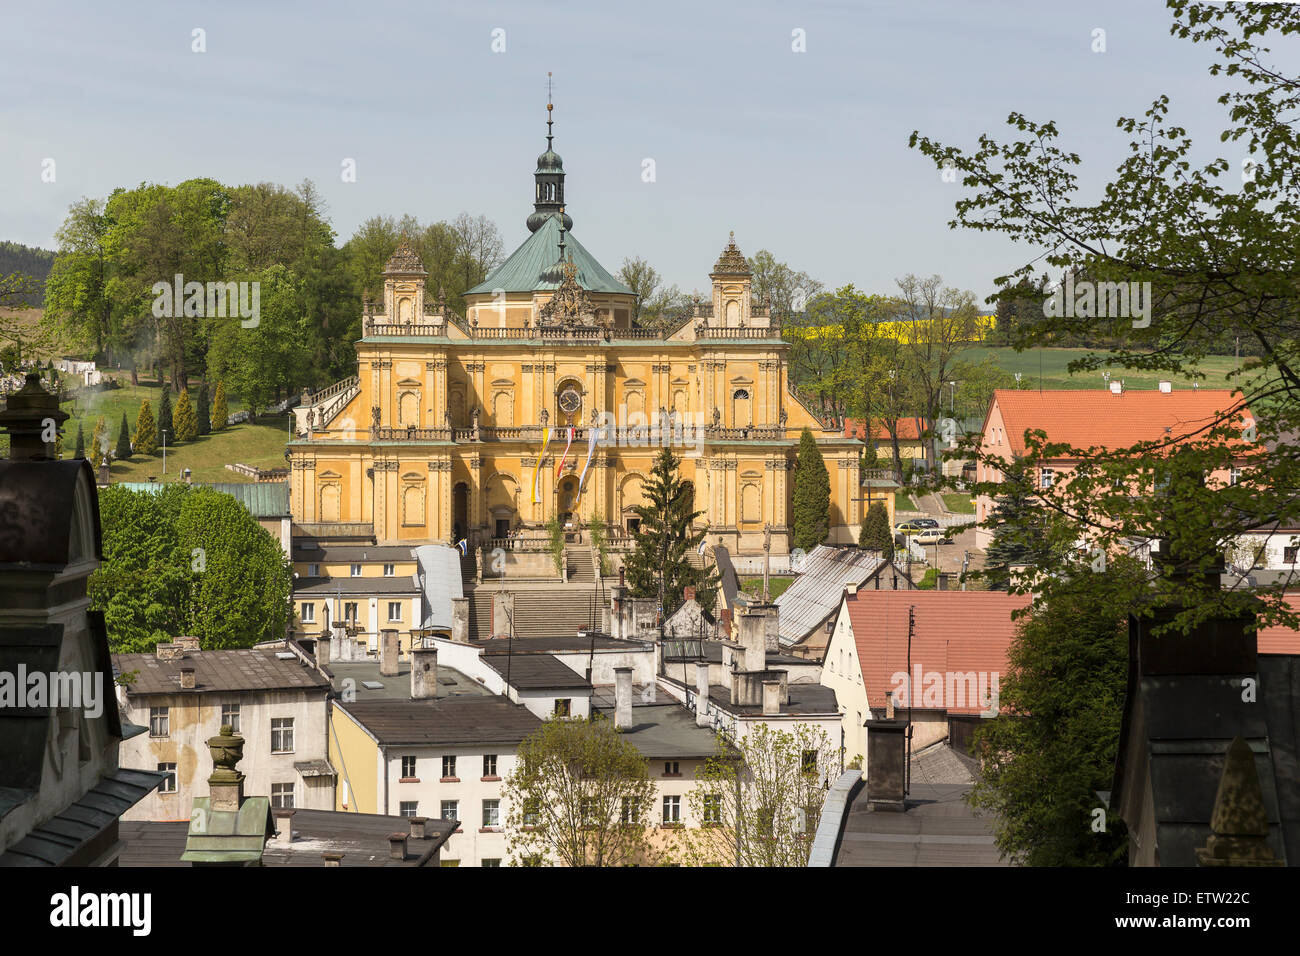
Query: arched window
(741, 412)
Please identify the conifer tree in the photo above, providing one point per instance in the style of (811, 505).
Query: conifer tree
(659, 565)
(165, 425)
(123, 452)
(1019, 534)
(812, 495)
(187, 426)
(219, 411)
(875, 533)
(146, 431)
(98, 439)
(205, 415)
(80, 451)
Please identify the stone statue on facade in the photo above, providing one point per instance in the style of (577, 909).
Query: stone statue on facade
(717, 416)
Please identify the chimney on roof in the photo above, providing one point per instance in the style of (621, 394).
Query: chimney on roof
(417, 827)
(702, 693)
(187, 678)
(622, 697)
(322, 650)
(188, 642)
(424, 672)
(397, 846)
(772, 628)
(283, 825)
(886, 764)
(331, 858)
(388, 653)
(1166, 387)
(851, 589)
(724, 618)
(754, 639)
(460, 620)
(167, 651)
(688, 593)
(1117, 388)
(771, 697)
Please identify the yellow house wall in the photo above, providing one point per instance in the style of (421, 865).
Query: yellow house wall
(355, 755)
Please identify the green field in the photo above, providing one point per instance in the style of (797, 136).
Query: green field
(959, 504)
(1049, 366)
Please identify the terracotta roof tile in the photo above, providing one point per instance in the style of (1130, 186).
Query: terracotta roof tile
(956, 631)
(909, 429)
(1278, 639)
(1087, 418)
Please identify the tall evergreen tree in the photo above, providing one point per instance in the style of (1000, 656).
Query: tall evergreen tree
(123, 451)
(205, 416)
(812, 495)
(146, 431)
(165, 425)
(98, 439)
(659, 567)
(1019, 534)
(187, 426)
(220, 413)
(876, 533)
(80, 451)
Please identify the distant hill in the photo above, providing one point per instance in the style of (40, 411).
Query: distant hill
(15, 257)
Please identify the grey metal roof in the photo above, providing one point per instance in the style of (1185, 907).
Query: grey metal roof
(666, 731)
(451, 682)
(727, 575)
(326, 586)
(557, 645)
(235, 669)
(440, 576)
(362, 838)
(350, 553)
(805, 699)
(815, 594)
(712, 651)
(59, 840)
(536, 672)
(523, 270)
(456, 721)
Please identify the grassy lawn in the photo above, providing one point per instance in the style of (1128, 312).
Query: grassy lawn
(959, 504)
(903, 502)
(260, 445)
(1053, 364)
(775, 586)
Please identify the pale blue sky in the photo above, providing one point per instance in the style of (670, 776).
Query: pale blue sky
(801, 153)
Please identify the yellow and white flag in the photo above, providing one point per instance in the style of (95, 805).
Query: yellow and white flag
(537, 469)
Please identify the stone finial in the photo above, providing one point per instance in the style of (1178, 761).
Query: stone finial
(226, 784)
(1239, 823)
(27, 416)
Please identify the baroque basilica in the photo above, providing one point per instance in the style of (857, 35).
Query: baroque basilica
(546, 398)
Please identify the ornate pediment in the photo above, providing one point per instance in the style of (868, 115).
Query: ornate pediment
(570, 306)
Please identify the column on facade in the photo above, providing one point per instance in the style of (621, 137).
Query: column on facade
(477, 503)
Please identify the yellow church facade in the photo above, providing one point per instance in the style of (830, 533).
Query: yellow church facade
(546, 399)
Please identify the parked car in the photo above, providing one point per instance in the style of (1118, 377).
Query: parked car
(924, 531)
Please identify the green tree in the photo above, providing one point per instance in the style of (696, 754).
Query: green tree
(145, 441)
(166, 427)
(658, 566)
(187, 426)
(1053, 746)
(98, 442)
(186, 560)
(760, 800)
(639, 276)
(1215, 270)
(812, 495)
(204, 417)
(1020, 532)
(580, 795)
(599, 530)
(220, 413)
(123, 452)
(80, 449)
(555, 542)
(876, 533)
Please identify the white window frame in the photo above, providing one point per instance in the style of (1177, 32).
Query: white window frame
(285, 724)
(356, 570)
(389, 570)
(449, 805)
(491, 813)
(278, 793)
(159, 716)
(413, 767)
(1046, 477)
(170, 770)
(308, 613)
(490, 768)
(227, 712)
(395, 606)
(672, 809)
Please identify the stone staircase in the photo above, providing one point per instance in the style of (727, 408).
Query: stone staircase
(581, 568)
(539, 612)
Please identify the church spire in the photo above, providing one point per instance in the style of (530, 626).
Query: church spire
(548, 188)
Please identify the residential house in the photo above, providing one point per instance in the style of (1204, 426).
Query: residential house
(274, 696)
(1113, 418)
(958, 653)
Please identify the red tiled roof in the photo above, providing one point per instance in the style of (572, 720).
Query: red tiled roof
(956, 631)
(1087, 418)
(909, 429)
(1281, 640)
